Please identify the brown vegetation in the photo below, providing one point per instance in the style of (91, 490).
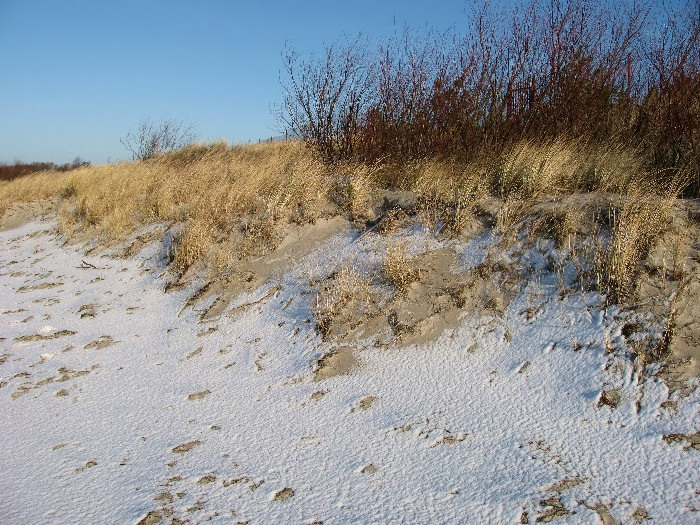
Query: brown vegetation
(601, 73)
(20, 169)
(503, 129)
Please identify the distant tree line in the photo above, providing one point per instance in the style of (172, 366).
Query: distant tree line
(20, 169)
(624, 71)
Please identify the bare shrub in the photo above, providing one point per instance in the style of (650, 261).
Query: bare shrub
(600, 73)
(153, 138)
(325, 96)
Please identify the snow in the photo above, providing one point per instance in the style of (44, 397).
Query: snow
(478, 426)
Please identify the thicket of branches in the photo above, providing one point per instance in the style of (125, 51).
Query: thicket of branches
(20, 169)
(154, 138)
(602, 71)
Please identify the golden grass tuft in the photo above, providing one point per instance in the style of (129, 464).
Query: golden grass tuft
(346, 287)
(637, 226)
(561, 167)
(398, 269)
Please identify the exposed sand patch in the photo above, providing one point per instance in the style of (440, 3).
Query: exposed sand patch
(164, 497)
(87, 310)
(40, 286)
(364, 404)
(450, 439)
(186, 447)
(283, 495)
(151, 518)
(88, 465)
(603, 513)
(609, 398)
(339, 362)
(207, 331)
(427, 307)
(249, 275)
(65, 374)
(368, 469)
(689, 440)
(640, 515)
(206, 480)
(198, 395)
(193, 353)
(103, 342)
(42, 337)
(553, 506)
(668, 289)
(15, 311)
(317, 395)
(21, 213)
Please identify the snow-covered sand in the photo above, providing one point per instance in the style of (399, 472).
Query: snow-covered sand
(118, 406)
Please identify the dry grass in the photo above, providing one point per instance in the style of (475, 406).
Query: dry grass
(561, 167)
(346, 288)
(637, 226)
(398, 269)
(220, 193)
(448, 192)
(233, 202)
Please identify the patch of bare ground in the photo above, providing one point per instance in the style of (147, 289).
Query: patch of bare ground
(249, 274)
(418, 308)
(103, 342)
(364, 404)
(666, 290)
(642, 251)
(65, 374)
(40, 286)
(21, 213)
(152, 518)
(603, 513)
(44, 337)
(688, 440)
(198, 395)
(552, 506)
(339, 361)
(284, 494)
(186, 447)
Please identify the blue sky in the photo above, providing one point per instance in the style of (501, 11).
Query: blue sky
(75, 76)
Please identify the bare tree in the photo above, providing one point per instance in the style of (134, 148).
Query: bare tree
(153, 138)
(326, 96)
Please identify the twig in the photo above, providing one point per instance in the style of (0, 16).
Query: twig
(370, 229)
(85, 265)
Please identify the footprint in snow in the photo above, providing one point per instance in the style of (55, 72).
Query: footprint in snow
(87, 465)
(198, 395)
(450, 439)
(193, 353)
(103, 342)
(282, 495)
(364, 404)
(186, 447)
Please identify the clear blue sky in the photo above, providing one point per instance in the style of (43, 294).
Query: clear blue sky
(75, 76)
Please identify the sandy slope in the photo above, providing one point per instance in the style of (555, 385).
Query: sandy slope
(118, 406)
